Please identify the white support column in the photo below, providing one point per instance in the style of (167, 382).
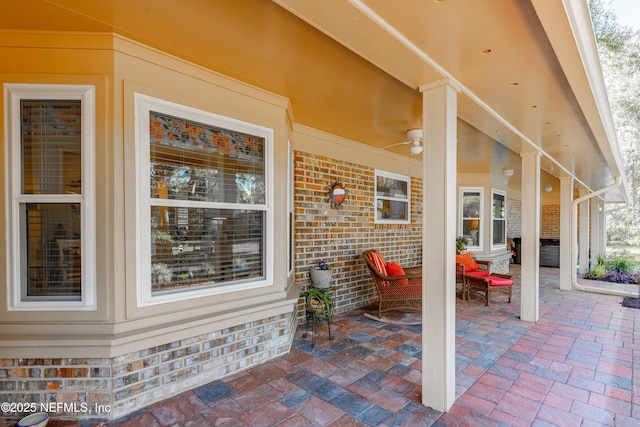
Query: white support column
(567, 262)
(596, 236)
(583, 255)
(438, 245)
(530, 258)
(603, 227)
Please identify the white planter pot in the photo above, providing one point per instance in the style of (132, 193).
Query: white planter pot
(320, 278)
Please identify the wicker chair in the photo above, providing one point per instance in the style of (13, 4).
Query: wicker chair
(396, 292)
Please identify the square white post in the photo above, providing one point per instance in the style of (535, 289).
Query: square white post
(530, 247)
(596, 233)
(438, 245)
(583, 256)
(567, 243)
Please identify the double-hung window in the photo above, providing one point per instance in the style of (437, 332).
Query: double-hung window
(392, 198)
(471, 216)
(498, 218)
(50, 131)
(203, 197)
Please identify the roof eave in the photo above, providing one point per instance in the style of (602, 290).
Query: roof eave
(569, 29)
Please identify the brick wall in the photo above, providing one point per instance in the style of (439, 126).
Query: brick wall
(514, 218)
(550, 221)
(113, 387)
(339, 236)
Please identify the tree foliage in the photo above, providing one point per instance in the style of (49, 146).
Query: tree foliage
(619, 49)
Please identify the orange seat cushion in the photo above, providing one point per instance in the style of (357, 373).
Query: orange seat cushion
(499, 281)
(467, 260)
(395, 269)
(477, 273)
(378, 262)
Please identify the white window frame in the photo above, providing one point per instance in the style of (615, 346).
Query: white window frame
(143, 105)
(14, 93)
(480, 218)
(501, 245)
(377, 197)
(290, 211)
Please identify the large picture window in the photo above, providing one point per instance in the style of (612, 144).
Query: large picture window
(51, 139)
(204, 193)
(498, 218)
(392, 198)
(471, 216)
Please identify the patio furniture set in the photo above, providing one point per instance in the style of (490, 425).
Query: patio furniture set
(400, 288)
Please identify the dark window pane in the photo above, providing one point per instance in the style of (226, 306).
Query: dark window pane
(53, 255)
(197, 162)
(194, 247)
(471, 231)
(50, 147)
(391, 209)
(498, 206)
(499, 232)
(471, 205)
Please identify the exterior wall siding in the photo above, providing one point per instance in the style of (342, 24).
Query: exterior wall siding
(339, 236)
(514, 218)
(550, 221)
(114, 387)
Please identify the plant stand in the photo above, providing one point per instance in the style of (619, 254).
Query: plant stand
(315, 315)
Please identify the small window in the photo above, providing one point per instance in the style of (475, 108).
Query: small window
(392, 198)
(204, 194)
(499, 219)
(471, 216)
(51, 141)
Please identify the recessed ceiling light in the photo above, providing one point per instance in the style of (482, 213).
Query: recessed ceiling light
(485, 51)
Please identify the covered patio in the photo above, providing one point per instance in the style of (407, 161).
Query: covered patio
(167, 179)
(578, 365)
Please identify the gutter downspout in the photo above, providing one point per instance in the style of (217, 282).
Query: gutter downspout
(574, 234)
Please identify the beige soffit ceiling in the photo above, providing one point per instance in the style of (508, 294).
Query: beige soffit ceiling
(304, 50)
(520, 86)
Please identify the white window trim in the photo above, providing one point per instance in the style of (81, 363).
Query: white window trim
(480, 190)
(14, 93)
(143, 105)
(290, 211)
(398, 177)
(502, 245)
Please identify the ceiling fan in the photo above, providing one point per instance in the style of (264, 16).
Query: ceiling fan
(415, 139)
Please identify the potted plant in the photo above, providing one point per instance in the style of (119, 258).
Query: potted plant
(321, 275)
(461, 244)
(319, 302)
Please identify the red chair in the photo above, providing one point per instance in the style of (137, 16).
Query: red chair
(500, 283)
(467, 266)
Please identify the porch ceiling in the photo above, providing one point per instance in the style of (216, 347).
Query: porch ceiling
(534, 87)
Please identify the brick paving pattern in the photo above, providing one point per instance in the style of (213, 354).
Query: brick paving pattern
(576, 366)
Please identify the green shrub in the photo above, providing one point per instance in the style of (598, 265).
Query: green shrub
(597, 272)
(619, 262)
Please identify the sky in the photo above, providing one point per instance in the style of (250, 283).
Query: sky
(627, 12)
